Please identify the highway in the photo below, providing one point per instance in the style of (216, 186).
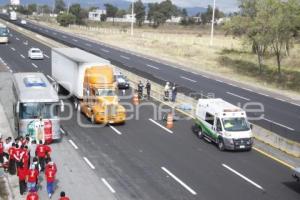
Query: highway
(279, 116)
(143, 160)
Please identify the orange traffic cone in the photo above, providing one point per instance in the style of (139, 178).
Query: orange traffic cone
(170, 121)
(135, 99)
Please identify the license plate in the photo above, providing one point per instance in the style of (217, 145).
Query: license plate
(242, 146)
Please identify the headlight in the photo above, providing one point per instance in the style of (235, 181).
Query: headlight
(227, 134)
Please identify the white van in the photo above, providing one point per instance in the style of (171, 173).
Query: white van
(224, 124)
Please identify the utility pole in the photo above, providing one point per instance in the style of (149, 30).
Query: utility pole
(212, 25)
(132, 19)
(69, 2)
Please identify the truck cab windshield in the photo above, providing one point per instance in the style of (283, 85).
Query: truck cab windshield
(3, 32)
(236, 124)
(38, 110)
(105, 93)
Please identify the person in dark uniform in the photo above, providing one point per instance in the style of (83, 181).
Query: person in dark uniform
(174, 92)
(140, 90)
(148, 88)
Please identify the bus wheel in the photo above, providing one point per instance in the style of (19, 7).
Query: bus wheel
(221, 145)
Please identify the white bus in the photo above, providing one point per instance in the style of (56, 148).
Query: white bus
(3, 33)
(36, 107)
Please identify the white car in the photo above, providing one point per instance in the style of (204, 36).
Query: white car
(23, 21)
(35, 54)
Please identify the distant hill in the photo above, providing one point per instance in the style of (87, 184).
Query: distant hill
(123, 4)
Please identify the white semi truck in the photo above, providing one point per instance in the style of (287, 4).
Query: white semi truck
(223, 123)
(13, 16)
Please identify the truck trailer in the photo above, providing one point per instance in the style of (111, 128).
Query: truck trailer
(90, 80)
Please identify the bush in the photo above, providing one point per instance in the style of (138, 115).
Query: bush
(66, 19)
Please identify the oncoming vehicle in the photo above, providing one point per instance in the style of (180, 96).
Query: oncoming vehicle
(122, 81)
(224, 124)
(35, 54)
(23, 21)
(3, 33)
(36, 107)
(13, 16)
(296, 174)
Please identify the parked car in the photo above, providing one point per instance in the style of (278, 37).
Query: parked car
(23, 21)
(122, 81)
(35, 54)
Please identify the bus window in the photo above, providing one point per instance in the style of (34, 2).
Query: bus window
(38, 110)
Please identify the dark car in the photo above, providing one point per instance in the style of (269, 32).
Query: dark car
(122, 81)
(296, 174)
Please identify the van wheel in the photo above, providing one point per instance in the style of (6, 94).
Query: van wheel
(221, 145)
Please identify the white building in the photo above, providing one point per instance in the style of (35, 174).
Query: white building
(96, 15)
(174, 20)
(125, 19)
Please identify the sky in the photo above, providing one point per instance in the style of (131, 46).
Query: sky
(225, 5)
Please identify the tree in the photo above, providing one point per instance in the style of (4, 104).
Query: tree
(121, 13)
(184, 13)
(140, 12)
(59, 6)
(44, 9)
(103, 18)
(79, 13)
(206, 17)
(93, 8)
(111, 11)
(65, 19)
(32, 8)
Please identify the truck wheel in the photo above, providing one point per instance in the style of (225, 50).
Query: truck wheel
(221, 145)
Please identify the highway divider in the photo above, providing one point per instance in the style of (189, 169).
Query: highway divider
(186, 100)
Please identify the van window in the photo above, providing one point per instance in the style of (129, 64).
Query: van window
(219, 125)
(209, 118)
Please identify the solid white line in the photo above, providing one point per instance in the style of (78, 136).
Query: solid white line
(34, 65)
(73, 144)
(183, 77)
(161, 126)
(22, 56)
(104, 50)
(89, 163)
(46, 56)
(220, 81)
(116, 130)
(51, 80)
(238, 96)
(61, 130)
(295, 104)
(280, 99)
(152, 66)
(127, 58)
(17, 39)
(289, 128)
(263, 94)
(179, 181)
(12, 48)
(247, 89)
(108, 185)
(243, 177)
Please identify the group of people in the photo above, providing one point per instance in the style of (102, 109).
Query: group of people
(27, 159)
(170, 92)
(140, 89)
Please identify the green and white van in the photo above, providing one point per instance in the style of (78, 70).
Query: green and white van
(224, 124)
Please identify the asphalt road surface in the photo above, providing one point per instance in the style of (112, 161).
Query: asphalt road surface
(279, 115)
(143, 160)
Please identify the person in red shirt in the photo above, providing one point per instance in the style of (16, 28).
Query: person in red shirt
(52, 165)
(18, 155)
(32, 179)
(25, 157)
(63, 196)
(50, 178)
(32, 196)
(12, 161)
(42, 151)
(1, 150)
(22, 174)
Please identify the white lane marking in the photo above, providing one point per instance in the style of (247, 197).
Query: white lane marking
(89, 163)
(205, 76)
(152, 66)
(11, 71)
(247, 89)
(25, 43)
(22, 56)
(12, 48)
(34, 65)
(116, 130)
(108, 185)
(263, 94)
(51, 80)
(161, 126)
(64, 36)
(7, 67)
(75, 40)
(295, 104)
(280, 99)
(238, 96)
(179, 181)
(73, 144)
(233, 85)
(104, 50)
(183, 77)
(87, 44)
(220, 81)
(61, 130)
(46, 56)
(289, 128)
(17, 38)
(242, 176)
(125, 57)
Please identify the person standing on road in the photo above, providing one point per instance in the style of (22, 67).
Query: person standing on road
(22, 174)
(12, 161)
(42, 152)
(148, 88)
(63, 196)
(32, 196)
(1, 149)
(32, 179)
(50, 174)
(174, 92)
(32, 149)
(166, 91)
(140, 90)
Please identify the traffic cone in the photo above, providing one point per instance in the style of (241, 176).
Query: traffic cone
(170, 121)
(135, 99)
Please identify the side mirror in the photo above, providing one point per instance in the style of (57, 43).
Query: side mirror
(62, 106)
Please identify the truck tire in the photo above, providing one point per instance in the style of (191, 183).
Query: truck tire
(221, 145)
